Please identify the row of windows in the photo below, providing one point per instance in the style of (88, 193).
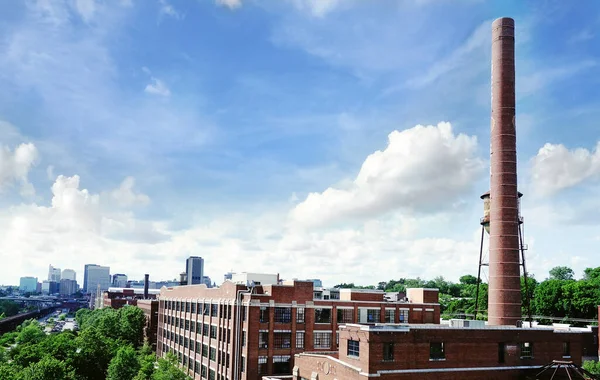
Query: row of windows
(214, 310)
(437, 350)
(199, 328)
(207, 352)
(280, 339)
(281, 315)
(198, 347)
(323, 315)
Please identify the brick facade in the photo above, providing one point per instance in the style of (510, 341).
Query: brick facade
(275, 323)
(407, 352)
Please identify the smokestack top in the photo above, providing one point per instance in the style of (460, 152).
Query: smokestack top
(503, 27)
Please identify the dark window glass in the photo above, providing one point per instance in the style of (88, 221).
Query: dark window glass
(282, 340)
(322, 315)
(264, 314)
(526, 350)
(566, 349)
(283, 314)
(345, 316)
(262, 365)
(388, 351)
(436, 351)
(353, 348)
(300, 339)
(500, 352)
(300, 315)
(281, 365)
(213, 332)
(213, 353)
(263, 339)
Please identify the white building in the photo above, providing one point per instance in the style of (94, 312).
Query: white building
(53, 274)
(69, 274)
(255, 278)
(95, 275)
(28, 285)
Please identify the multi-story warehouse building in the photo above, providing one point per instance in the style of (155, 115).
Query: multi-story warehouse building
(241, 332)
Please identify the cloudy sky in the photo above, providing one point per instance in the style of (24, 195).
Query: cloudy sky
(345, 140)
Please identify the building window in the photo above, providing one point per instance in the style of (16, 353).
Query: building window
(388, 352)
(176, 322)
(300, 315)
(566, 349)
(300, 339)
(322, 315)
(214, 311)
(322, 339)
(403, 315)
(205, 329)
(187, 307)
(187, 324)
(262, 365)
(436, 351)
(193, 308)
(264, 314)
(197, 368)
(282, 340)
(198, 348)
(205, 350)
(263, 339)
(213, 332)
(182, 306)
(281, 364)
(389, 316)
(192, 326)
(206, 309)
(526, 350)
(243, 369)
(185, 342)
(373, 315)
(204, 370)
(243, 339)
(243, 313)
(353, 348)
(213, 354)
(345, 316)
(211, 374)
(283, 314)
(501, 353)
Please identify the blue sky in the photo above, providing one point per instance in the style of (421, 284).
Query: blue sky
(246, 132)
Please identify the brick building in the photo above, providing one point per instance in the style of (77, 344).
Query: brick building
(442, 352)
(119, 297)
(213, 338)
(150, 309)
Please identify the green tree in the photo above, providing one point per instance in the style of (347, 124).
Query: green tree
(131, 326)
(93, 355)
(548, 298)
(580, 299)
(468, 279)
(147, 360)
(168, 369)
(31, 334)
(9, 308)
(125, 365)
(26, 354)
(48, 369)
(592, 274)
(561, 273)
(592, 367)
(61, 346)
(8, 371)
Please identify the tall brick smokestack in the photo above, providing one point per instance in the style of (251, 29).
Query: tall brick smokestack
(146, 285)
(504, 303)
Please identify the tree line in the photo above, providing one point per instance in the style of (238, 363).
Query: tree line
(109, 345)
(560, 295)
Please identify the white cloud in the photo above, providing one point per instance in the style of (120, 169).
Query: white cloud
(422, 168)
(318, 8)
(231, 4)
(86, 9)
(126, 196)
(167, 9)
(15, 166)
(50, 173)
(555, 167)
(157, 87)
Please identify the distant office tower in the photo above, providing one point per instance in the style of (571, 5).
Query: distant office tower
(28, 285)
(95, 275)
(67, 287)
(194, 269)
(68, 274)
(119, 280)
(318, 283)
(228, 276)
(50, 287)
(206, 281)
(53, 274)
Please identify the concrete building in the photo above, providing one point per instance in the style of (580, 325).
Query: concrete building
(67, 287)
(28, 285)
(213, 337)
(246, 278)
(53, 274)
(119, 280)
(194, 270)
(93, 275)
(69, 274)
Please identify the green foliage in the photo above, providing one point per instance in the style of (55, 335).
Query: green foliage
(62, 317)
(352, 286)
(168, 370)
(9, 308)
(9, 372)
(592, 367)
(8, 338)
(147, 360)
(561, 273)
(31, 334)
(468, 279)
(94, 353)
(48, 369)
(125, 365)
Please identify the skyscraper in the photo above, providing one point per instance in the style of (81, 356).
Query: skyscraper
(93, 275)
(194, 269)
(53, 274)
(119, 280)
(28, 284)
(69, 274)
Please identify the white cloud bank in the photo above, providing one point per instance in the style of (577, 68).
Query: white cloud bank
(423, 168)
(15, 166)
(231, 4)
(556, 168)
(157, 87)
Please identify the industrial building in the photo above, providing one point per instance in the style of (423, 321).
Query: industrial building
(257, 330)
